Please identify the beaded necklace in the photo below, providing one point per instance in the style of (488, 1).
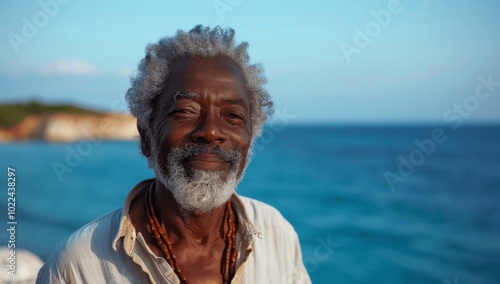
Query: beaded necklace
(229, 255)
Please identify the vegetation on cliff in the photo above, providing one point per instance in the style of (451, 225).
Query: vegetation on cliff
(11, 114)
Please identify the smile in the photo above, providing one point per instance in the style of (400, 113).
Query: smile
(206, 162)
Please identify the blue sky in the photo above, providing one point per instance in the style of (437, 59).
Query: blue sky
(415, 62)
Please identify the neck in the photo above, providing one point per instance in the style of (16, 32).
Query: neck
(197, 226)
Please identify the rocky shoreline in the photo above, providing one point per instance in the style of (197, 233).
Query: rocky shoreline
(63, 127)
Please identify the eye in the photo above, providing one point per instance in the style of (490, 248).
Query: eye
(234, 116)
(182, 111)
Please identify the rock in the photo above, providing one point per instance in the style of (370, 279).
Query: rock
(61, 127)
(5, 135)
(26, 128)
(68, 128)
(26, 264)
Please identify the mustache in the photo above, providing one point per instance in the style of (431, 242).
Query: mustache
(191, 151)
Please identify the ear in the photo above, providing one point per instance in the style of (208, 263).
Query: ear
(144, 142)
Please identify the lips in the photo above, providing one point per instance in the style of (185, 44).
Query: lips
(206, 162)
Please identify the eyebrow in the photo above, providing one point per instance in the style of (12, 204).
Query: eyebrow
(192, 95)
(235, 102)
(185, 95)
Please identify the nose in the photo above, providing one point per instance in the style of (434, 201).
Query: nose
(209, 130)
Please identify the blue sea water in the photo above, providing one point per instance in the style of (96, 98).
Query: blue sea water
(439, 221)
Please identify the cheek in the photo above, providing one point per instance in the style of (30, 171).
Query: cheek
(170, 134)
(242, 142)
(163, 145)
(243, 147)
(243, 164)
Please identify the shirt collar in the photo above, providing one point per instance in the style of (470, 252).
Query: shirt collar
(126, 230)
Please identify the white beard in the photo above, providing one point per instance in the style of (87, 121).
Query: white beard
(202, 190)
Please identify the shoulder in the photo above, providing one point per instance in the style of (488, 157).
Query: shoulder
(99, 232)
(82, 248)
(276, 255)
(265, 217)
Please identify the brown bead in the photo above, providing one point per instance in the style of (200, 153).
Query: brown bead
(163, 242)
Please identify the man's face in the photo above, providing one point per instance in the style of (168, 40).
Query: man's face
(202, 124)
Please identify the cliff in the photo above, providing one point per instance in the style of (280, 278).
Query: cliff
(64, 127)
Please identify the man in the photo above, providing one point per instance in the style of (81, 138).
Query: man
(199, 106)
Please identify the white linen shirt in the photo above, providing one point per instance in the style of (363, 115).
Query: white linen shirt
(109, 250)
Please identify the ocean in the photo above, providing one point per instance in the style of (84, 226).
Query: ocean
(378, 204)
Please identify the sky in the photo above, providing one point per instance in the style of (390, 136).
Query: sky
(366, 61)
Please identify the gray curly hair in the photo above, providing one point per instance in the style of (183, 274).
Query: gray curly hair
(148, 80)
